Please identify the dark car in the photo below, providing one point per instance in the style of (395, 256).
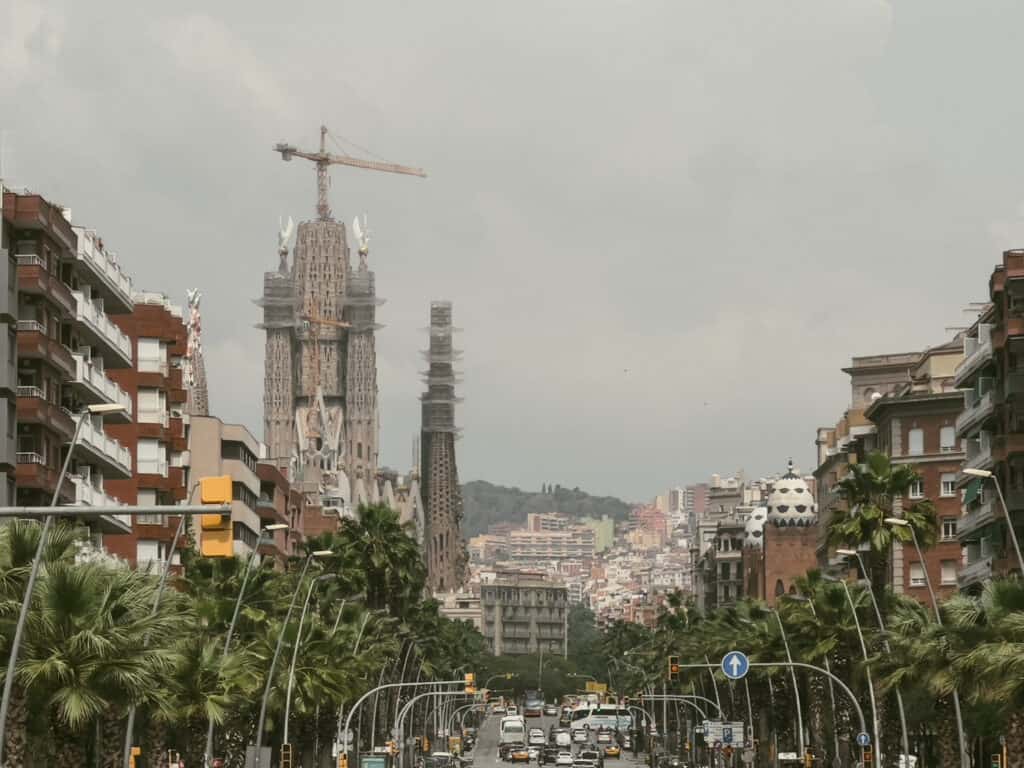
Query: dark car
(592, 755)
(548, 754)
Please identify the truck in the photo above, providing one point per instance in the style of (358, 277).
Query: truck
(533, 704)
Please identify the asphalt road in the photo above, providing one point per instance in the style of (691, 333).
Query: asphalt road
(485, 753)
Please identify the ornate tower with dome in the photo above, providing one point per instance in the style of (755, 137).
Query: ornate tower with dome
(781, 539)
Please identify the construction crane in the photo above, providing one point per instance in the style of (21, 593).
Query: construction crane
(314, 323)
(324, 159)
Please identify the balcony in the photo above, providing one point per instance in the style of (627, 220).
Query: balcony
(975, 573)
(33, 473)
(33, 278)
(154, 417)
(969, 527)
(979, 451)
(94, 387)
(979, 406)
(33, 408)
(152, 467)
(977, 353)
(87, 495)
(102, 334)
(109, 280)
(104, 450)
(34, 344)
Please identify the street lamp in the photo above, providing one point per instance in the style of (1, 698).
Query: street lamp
(277, 650)
(867, 666)
(208, 754)
(984, 473)
(26, 601)
(295, 648)
(796, 685)
(901, 523)
(885, 644)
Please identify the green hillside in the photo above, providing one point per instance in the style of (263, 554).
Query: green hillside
(484, 503)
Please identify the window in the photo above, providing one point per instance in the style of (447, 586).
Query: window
(916, 490)
(949, 571)
(151, 457)
(916, 575)
(241, 492)
(985, 546)
(231, 449)
(948, 528)
(948, 484)
(947, 439)
(152, 356)
(12, 417)
(245, 534)
(915, 442)
(152, 406)
(148, 497)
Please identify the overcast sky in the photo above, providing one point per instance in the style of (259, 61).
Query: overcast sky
(665, 226)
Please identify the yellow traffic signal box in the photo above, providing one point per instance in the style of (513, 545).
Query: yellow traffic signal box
(215, 536)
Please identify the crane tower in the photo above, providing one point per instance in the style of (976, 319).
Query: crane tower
(320, 371)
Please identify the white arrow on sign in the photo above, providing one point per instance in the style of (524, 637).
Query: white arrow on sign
(735, 665)
(734, 662)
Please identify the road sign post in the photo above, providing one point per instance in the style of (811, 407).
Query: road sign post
(864, 739)
(735, 665)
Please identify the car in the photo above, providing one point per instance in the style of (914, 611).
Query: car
(582, 762)
(534, 752)
(579, 736)
(561, 737)
(564, 758)
(612, 750)
(535, 737)
(627, 742)
(518, 753)
(497, 708)
(592, 755)
(511, 710)
(550, 710)
(604, 736)
(548, 754)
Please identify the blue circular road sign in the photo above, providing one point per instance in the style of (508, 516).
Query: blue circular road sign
(864, 739)
(735, 664)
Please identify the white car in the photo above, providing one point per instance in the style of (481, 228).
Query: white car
(564, 758)
(536, 738)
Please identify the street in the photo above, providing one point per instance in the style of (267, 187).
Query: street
(485, 753)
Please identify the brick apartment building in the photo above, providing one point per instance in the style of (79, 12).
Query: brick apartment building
(69, 286)
(906, 406)
(8, 358)
(157, 439)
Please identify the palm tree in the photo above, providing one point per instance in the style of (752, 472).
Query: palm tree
(869, 490)
(18, 542)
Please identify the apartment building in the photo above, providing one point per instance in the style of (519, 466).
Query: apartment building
(216, 449)
(992, 427)
(8, 359)
(69, 286)
(917, 425)
(524, 613)
(157, 439)
(576, 542)
(278, 505)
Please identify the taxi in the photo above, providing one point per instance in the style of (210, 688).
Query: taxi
(612, 750)
(519, 753)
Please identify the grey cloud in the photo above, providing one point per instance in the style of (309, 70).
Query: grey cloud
(727, 198)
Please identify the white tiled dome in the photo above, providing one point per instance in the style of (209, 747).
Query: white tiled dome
(755, 527)
(791, 502)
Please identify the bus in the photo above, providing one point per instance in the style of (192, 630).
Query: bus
(602, 716)
(512, 730)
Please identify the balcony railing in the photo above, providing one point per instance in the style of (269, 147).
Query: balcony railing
(87, 374)
(977, 408)
(30, 392)
(29, 457)
(977, 351)
(153, 417)
(979, 451)
(30, 260)
(152, 467)
(104, 266)
(31, 326)
(970, 525)
(974, 573)
(88, 494)
(89, 314)
(99, 441)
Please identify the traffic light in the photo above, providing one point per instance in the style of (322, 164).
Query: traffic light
(391, 745)
(470, 680)
(997, 761)
(426, 744)
(418, 744)
(215, 537)
(808, 759)
(286, 756)
(509, 675)
(673, 667)
(343, 760)
(136, 751)
(868, 757)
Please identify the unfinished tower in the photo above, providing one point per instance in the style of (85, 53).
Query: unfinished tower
(442, 499)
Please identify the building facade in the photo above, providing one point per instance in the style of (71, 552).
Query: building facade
(524, 613)
(218, 449)
(992, 427)
(8, 358)
(157, 439)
